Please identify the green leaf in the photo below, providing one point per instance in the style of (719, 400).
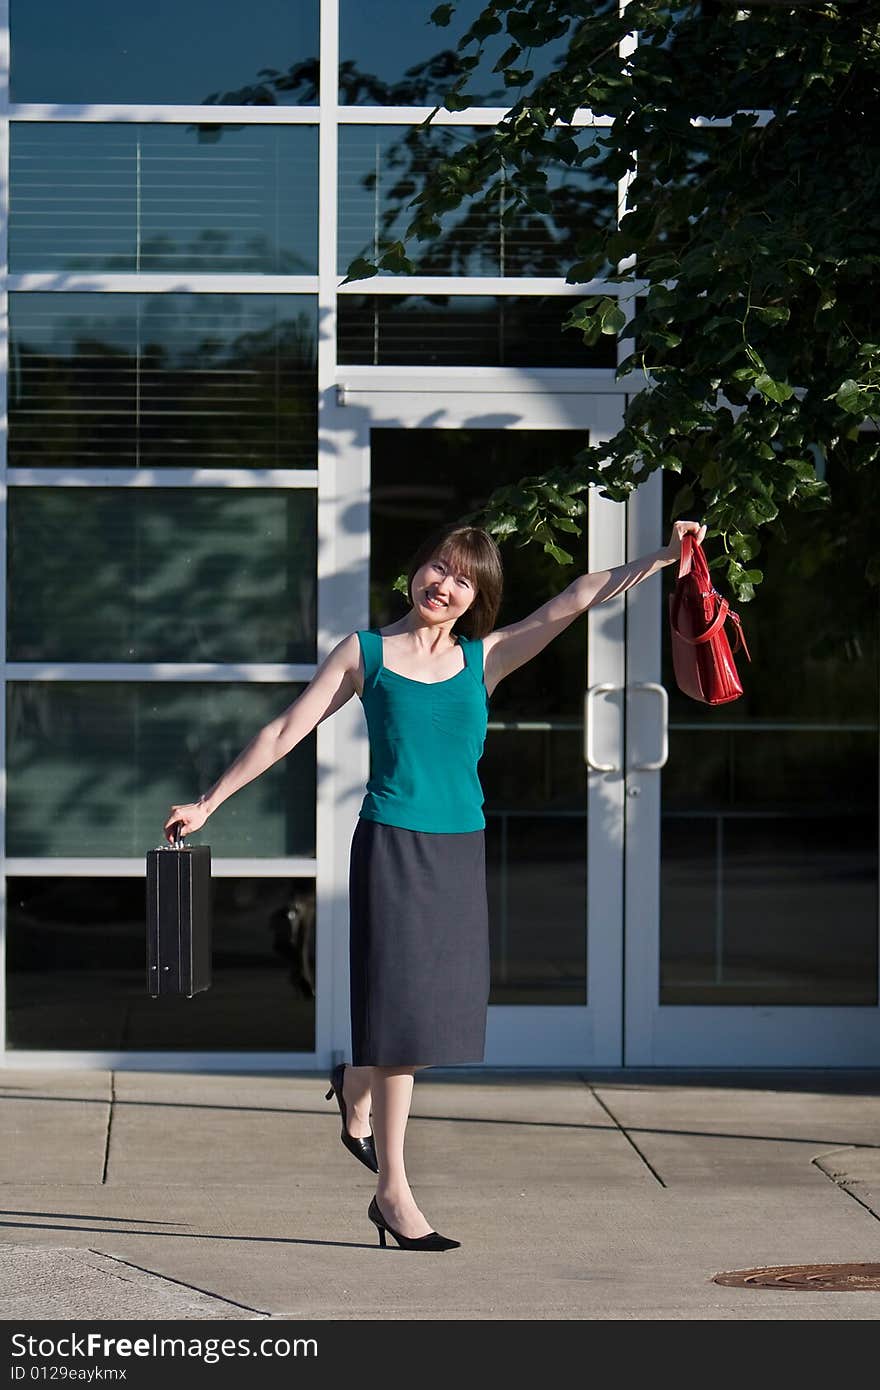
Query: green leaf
(504, 525)
(849, 397)
(562, 556)
(517, 77)
(771, 314)
(360, 270)
(442, 15)
(584, 270)
(563, 523)
(755, 358)
(612, 318)
(395, 259)
(711, 474)
(482, 28)
(508, 56)
(774, 390)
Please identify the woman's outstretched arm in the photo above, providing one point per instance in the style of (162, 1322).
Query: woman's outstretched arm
(332, 685)
(508, 648)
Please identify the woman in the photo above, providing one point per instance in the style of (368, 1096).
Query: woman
(419, 931)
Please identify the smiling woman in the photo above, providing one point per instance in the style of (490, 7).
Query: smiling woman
(419, 932)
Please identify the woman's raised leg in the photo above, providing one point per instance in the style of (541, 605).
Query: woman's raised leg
(392, 1089)
(356, 1093)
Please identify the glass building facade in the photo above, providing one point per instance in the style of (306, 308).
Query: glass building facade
(218, 458)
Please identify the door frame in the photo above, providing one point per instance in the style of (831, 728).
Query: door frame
(407, 398)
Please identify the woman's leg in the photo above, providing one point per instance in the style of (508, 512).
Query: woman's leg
(392, 1095)
(356, 1094)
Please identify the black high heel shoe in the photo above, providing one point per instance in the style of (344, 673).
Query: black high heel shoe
(364, 1149)
(432, 1241)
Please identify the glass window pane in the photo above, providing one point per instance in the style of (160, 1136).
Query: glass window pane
(94, 767)
(769, 873)
(538, 955)
(469, 331)
(380, 169)
(162, 574)
(390, 55)
(76, 976)
(183, 52)
(163, 198)
(162, 380)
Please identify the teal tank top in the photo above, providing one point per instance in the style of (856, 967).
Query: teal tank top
(425, 743)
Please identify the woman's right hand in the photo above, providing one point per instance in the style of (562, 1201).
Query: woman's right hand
(184, 820)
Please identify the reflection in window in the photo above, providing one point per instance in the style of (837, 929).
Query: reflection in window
(160, 380)
(75, 969)
(770, 907)
(182, 52)
(769, 876)
(163, 198)
(94, 766)
(465, 330)
(162, 574)
(391, 55)
(536, 880)
(382, 167)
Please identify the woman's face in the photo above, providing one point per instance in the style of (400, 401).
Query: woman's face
(441, 592)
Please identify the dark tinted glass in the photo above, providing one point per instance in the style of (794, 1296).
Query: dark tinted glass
(161, 574)
(769, 885)
(94, 768)
(381, 167)
(390, 54)
(182, 52)
(163, 197)
(468, 330)
(75, 972)
(536, 881)
(534, 778)
(161, 380)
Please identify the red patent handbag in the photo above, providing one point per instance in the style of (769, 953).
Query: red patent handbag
(701, 654)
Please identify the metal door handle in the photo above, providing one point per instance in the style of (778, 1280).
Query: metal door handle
(589, 757)
(664, 725)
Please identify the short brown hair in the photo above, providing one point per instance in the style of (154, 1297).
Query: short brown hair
(473, 552)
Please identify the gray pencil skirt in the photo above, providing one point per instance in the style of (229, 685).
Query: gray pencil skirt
(418, 946)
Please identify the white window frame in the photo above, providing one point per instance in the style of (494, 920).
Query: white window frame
(341, 574)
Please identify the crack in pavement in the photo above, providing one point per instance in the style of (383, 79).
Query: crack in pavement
(839, 1178)
(626, 1134)
(168, 1279)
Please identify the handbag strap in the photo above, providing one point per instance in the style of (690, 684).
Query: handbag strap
(686, 555)
(724, 612)
(717, 621)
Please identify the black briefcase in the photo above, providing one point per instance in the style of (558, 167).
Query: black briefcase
(178, 919)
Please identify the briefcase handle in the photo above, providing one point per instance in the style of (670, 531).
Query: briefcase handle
(177, 842)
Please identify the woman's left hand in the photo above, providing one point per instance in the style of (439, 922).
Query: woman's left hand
(679, 531)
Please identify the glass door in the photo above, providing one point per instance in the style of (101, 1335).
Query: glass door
(553, 833)
(751, 828)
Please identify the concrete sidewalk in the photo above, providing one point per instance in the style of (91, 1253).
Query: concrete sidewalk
(166, 1195)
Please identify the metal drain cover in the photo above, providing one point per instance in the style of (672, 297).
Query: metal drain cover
(822, 1277)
